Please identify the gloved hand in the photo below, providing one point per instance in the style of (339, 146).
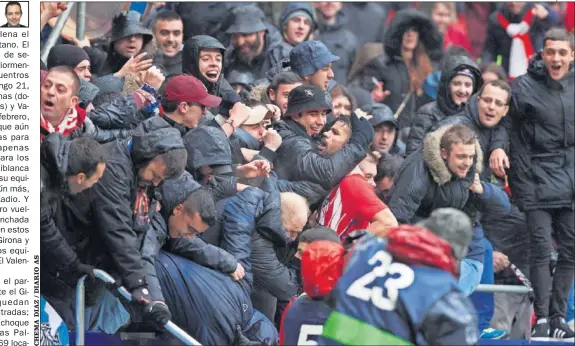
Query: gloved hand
(242, 340)
(361, 131)
(141, 295)
(157, 314)
(85, 269)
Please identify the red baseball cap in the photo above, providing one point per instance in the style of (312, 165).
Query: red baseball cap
(186, 88)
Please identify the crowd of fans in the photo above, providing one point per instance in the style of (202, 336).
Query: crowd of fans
(220, 165)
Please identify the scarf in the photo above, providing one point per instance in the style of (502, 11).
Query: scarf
(521, 46)
(71, 121)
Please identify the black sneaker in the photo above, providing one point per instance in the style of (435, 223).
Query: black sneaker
(540, 330)
(560, 330)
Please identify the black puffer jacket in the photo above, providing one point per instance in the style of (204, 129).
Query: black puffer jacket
(191, 58)
(341, 42)
(60, 243)
(121, 113)
(390, 67)
(433, 112)
(489, 138)
(542, 151)
(298, 158)
(269, 58)
(118, 231)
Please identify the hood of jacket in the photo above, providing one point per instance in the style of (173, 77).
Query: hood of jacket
(451, 66)
(435, 163)
(175, 191)
(207, 146)
(54, 152)
(297, 6)
(147, 145)
(191, 58)
(538, 71)
(247, 140)
(428, 33)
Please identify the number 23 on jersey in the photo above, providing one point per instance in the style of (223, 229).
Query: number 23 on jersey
(396, 276)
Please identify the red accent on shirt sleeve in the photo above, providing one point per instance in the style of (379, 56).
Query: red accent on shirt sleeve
(283, 318)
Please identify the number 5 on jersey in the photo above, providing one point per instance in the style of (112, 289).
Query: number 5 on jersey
(400, 276)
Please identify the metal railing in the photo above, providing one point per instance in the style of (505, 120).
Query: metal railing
(107, 278)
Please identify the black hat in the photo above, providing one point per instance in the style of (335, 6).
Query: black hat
(381, 113)
(127, 24)
(306, 97)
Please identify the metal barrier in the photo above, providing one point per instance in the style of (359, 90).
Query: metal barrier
(107, 278)
(56, 31)
(518, 289)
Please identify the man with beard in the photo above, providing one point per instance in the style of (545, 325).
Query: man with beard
(460, 78)
(168, 30)
(542, 173)
(253, 45)
(298, 158)
(354, 205)
(386, 129)
(336, 137)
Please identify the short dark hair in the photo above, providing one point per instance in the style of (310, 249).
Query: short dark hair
(498, 83)
(494, 68)
(202, 201)
(175, 161)
(12, 3)
(559, 34)
(458, 133)
(170, 106)
(286, 77)
(388, 166)
(167, 16)
(70, 72)
(319, 233)
(453, 51)
(84, 156)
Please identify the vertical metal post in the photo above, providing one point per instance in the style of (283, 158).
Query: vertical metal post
(80, 312)
(56, 31)
(81, 20)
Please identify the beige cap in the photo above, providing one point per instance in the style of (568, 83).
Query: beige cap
(257, 115)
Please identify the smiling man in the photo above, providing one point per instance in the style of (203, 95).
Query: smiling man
(541, 175)
(168, 31)
(13, 12)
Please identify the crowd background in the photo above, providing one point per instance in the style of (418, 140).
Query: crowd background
(234, 135)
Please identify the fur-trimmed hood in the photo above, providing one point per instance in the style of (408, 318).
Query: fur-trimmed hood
(437, 167)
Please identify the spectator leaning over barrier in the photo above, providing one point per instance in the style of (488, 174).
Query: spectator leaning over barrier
(542, 156)
(67, 168)
(121, 207)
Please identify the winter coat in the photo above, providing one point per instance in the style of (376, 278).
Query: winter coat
(269, 57)
(282, 50)
(341, 42)
(431, 113)
(542, 152)
(489, 138)
(60, 241)
(209, 304)
(170, 65)
(299, 159)
(119, 232)
(390, 68)
(498, 43)
(122, 113)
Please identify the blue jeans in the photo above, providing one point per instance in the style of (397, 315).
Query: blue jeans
(470, 271)
(107, 316)
(484, 302)
(569, 315)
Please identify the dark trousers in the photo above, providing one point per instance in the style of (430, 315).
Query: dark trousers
(541, 224)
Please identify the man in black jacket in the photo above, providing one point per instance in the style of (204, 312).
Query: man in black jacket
(67, 168)
(123, 203)
(542, 173)
(299, 158)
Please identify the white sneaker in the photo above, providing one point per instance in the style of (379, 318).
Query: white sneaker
(571, 324)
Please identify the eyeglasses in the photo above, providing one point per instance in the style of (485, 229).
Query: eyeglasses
(489, 100)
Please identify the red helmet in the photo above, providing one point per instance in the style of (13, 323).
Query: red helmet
(321, 267)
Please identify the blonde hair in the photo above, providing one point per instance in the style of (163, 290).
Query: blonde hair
(373, 157)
